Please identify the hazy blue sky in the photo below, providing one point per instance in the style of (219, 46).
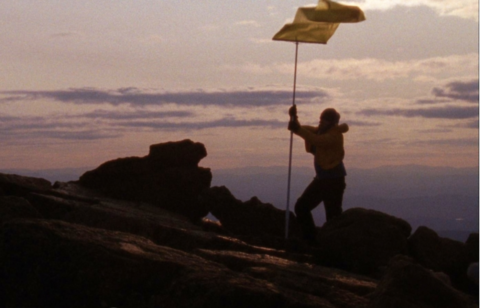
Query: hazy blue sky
(83, 82)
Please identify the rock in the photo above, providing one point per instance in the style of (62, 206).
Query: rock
(177, 154)
(16, 185)
(340, 288)
(472, 247)
(69, 245)
(250, 218)
(409, 285)
(169, 178)
(57, 264)
(362, 241)
(48, 263)
(76, 204)
(472, 272)
(433, 252)
(12, 207)
(442, 255)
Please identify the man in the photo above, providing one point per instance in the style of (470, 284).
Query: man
(325, 142)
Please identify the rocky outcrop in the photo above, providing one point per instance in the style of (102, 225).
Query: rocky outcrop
(250, 218)
(406, 284)
(71, 245)
(444, 255)
(362, 241)
(94, 251)
(169, 177)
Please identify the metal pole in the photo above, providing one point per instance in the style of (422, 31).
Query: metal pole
(287, 212)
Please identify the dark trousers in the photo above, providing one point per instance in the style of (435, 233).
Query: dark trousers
(330, 192)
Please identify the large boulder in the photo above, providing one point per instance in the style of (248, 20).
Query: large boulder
(168, 177)
(250, 218)
(444, 255)
(407, 284)
(17, 185)
(362, 241)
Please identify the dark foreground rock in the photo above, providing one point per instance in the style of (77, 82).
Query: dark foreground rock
(69, 245)
(168, 177)
(16, 185)
(409, 285)
(16, 207)
(445, 255)
(362, 241)
(51, 263)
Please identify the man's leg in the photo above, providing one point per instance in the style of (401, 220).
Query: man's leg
(310, 199)
(333, 198)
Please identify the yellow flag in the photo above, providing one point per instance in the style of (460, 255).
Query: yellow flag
(318, 24)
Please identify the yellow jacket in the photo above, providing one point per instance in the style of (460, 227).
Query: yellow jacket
(329, 146)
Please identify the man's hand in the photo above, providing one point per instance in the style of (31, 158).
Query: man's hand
(293, 112)
(293, 125)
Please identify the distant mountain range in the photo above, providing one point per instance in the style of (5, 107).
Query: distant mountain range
(442, 198)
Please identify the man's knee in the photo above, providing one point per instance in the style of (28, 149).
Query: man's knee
(302, 206)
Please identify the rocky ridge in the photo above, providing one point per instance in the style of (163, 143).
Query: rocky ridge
(133, 233)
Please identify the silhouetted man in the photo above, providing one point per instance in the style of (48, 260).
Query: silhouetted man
(325, 142)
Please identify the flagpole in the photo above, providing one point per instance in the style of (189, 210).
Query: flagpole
(287, 212)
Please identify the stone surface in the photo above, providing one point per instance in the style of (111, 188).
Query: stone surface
(169, 178)
(59, 264)
(443, 255)
(362, 241)
(75, 204)
(409, 285)
(12, 207)
(16, 185)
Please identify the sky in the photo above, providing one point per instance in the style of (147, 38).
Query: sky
(84, 82)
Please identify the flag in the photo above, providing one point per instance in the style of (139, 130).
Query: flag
(318, 24)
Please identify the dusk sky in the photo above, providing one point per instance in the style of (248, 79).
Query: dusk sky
(83, 82)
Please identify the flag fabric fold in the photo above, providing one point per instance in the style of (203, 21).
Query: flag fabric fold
(318, 24)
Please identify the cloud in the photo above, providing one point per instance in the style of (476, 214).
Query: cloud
(447, 112)
(459, 90)
(137, 114)
(66, 35)
(380, 70)
(39, 133)
(464, 9)
(426, 69)
(138, 98)
(224, 122)
(362, 123)
(459, 142)
(102, 124)
(83, 135)
(471, 124)
(251, 23)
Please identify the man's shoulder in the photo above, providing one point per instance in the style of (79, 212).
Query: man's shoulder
(342, 128)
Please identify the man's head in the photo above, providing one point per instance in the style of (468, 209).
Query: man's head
(330, 115)
(328, 119)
